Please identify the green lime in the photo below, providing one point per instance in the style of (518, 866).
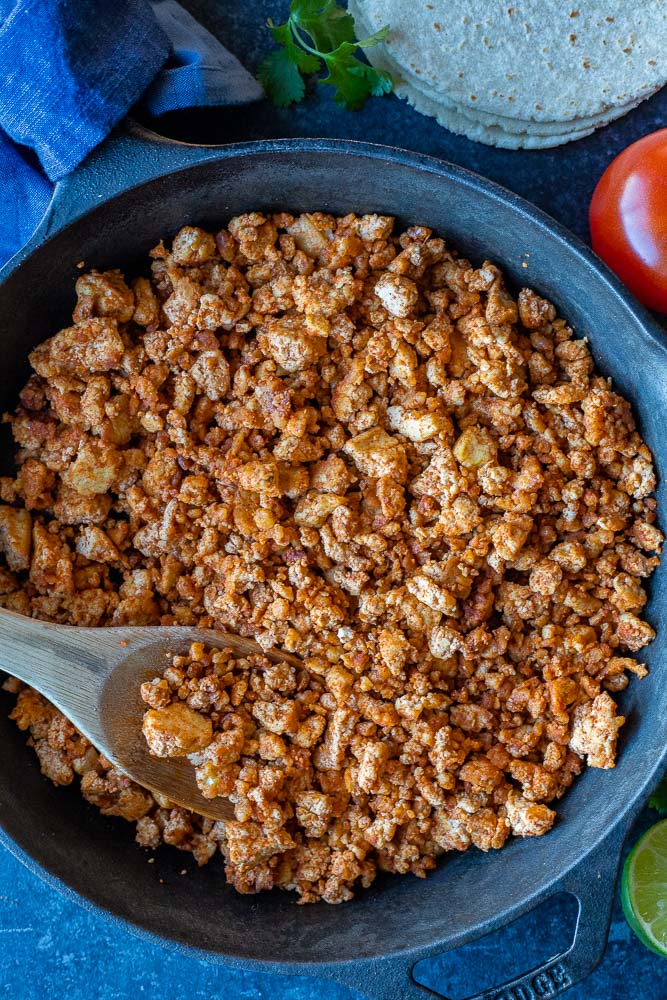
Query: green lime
(644, 888)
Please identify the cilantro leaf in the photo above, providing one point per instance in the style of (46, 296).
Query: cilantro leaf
(306, 62)
(327, 24)
(351, 90)
(659, 798)
(379, 82)
(281, 79)
(317, 32)
(354, 80)
(378, 36)
(352, 87)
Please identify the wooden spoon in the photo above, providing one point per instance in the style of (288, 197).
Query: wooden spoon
(94, 676)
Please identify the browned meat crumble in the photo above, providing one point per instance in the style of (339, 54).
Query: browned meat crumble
(361, 449)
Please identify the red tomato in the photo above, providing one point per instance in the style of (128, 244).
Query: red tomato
(628, 218)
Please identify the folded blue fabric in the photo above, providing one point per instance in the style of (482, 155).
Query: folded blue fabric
(200, 71)
(69, 73)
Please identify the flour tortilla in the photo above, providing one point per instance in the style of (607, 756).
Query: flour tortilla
(512, 134)
(527, 59)
(472, 120)
(491, 135)
(510, 124)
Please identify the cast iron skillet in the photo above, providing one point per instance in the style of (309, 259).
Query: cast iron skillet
(138, 188)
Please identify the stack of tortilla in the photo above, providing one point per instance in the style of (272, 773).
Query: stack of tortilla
(520, 73)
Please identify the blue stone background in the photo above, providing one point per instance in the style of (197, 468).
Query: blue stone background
(50, 947)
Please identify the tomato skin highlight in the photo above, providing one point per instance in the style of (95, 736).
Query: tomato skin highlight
(628, 218)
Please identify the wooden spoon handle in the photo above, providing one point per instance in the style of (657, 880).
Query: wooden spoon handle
(63, 663)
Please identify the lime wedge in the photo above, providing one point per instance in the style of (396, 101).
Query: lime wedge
(644, 888)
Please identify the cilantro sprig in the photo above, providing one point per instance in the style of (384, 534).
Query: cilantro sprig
(319, 35)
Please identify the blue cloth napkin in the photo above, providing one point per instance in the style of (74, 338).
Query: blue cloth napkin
(71, 69)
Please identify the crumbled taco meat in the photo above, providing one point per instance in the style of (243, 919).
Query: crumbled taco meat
(360, 449)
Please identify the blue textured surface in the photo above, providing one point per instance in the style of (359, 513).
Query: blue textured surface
(49, 947)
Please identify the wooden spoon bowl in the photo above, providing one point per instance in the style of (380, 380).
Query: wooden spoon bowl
(94, 676)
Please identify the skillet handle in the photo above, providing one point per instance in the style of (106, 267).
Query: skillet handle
(592, 882)
(130, 155)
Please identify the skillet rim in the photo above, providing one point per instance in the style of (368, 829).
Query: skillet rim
(643, 327)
